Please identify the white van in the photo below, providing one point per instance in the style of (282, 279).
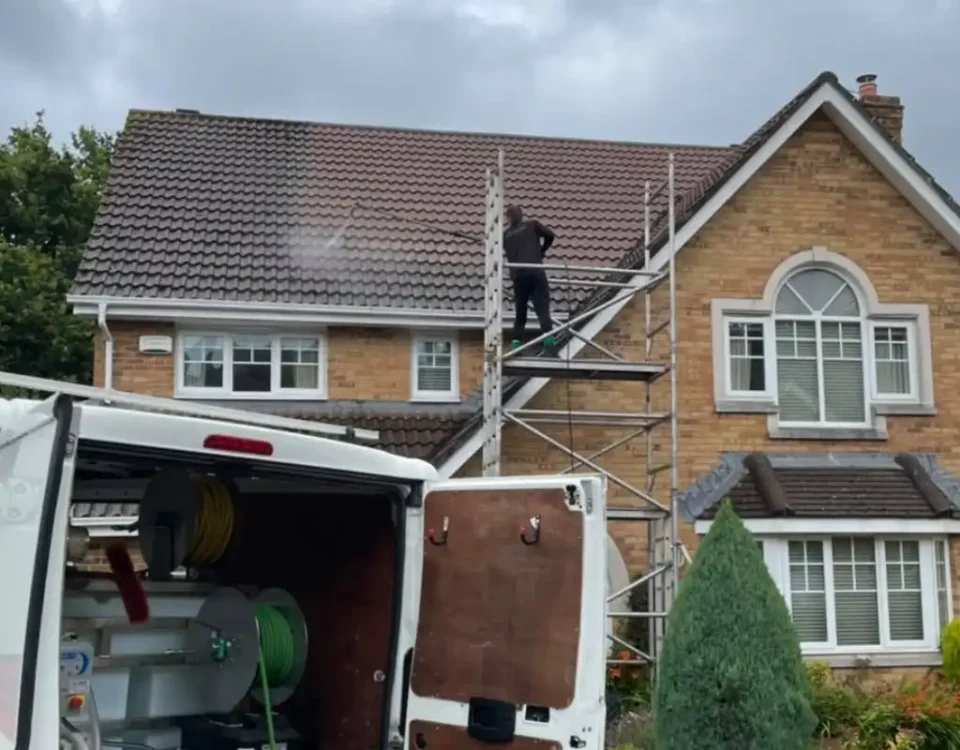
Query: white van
(303, 591)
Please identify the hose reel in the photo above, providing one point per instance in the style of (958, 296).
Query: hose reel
(186, 519)
(255, 647)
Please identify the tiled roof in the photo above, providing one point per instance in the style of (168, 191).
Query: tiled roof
(835, 485)
(406, 429)
(211, 207)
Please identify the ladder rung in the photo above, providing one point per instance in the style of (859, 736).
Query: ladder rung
(635, 514)
(658, 328)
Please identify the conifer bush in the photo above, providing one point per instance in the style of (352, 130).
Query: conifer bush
(731, 676)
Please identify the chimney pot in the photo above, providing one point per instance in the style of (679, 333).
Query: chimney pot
(886, 111)
(868, 85)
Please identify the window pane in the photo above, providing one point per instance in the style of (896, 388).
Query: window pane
(844, 304)
(799, 390)
(797, 376)
(843, 372)
(747, 371)
(808, 600)
(789, 303)
(202, 362)
(944, 610)
(892, 360)
(433, 379)
(299, 363)
(816, 287)
(855, 592)
(904, 596)
(434, 366)
(251, 364)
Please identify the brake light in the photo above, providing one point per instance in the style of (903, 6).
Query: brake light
(238, 445)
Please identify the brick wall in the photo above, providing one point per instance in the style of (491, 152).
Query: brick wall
(817, 191)
(151, 374)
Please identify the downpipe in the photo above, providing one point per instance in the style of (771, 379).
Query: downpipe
(107, 346)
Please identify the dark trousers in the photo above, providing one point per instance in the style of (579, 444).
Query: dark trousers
(527, 288)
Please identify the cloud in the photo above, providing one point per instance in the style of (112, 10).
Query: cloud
(696, 71)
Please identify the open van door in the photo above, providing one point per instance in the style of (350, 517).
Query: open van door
(35, 442)
(509, 645)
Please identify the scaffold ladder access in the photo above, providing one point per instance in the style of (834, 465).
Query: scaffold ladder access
(649, 503)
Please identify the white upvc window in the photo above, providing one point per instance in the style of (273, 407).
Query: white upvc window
(820, 362)
(820, 354)
(893, 345)
(250, 365)
(863, 594)
(435, 368)
(747, 364)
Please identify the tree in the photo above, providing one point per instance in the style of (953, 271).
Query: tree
(48, 200)
(731, 674)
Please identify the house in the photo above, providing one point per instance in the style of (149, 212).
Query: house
(335, 272)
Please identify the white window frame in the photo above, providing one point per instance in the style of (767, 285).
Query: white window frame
(768, 371)
(453, 393)
(866, 360)
(916, 317)
(776, 556)
(276, 393)
(911, 328)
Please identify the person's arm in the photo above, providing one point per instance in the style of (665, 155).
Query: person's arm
(546, 236)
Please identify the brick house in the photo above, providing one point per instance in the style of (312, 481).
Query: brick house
(334, 272)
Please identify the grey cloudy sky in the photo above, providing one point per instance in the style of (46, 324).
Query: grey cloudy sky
(688, 71)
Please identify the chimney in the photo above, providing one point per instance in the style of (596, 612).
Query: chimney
(886, 110)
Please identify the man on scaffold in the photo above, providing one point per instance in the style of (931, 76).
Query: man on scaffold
(527, 241)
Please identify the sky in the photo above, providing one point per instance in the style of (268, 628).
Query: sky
(671, 71)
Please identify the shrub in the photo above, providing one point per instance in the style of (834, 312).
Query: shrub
(950, 646)
(632, 732)
(731, 675)
(925, 712)
(836, 706)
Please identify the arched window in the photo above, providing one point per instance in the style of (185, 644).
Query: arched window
(819, 350)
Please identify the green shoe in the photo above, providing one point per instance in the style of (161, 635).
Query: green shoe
(549, 347)
(515, 344)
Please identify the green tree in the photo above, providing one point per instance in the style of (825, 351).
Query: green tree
(48, 200)
(731, 675)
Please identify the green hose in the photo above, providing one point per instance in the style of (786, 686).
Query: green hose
(277, 654)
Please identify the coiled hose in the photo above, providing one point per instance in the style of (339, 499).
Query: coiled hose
(215, 523)
(277, 656)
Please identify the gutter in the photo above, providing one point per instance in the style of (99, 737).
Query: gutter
(107, 346)
(239, 312)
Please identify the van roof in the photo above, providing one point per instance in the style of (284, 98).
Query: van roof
(112, 424)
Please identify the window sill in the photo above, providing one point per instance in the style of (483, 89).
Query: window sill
(905, 410)
(252, 396)
(886, 659)
(745, 406)
(435, 398)
(822, 432)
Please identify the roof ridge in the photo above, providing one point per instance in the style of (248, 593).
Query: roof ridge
(195, 114)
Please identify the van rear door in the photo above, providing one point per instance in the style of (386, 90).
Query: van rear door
(509, 644)
(34, 486)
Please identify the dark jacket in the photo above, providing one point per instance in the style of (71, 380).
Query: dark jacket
(526, 242)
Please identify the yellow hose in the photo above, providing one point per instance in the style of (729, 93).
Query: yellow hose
(215, 521)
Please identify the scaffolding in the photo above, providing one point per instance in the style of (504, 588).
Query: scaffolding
(612, 286)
